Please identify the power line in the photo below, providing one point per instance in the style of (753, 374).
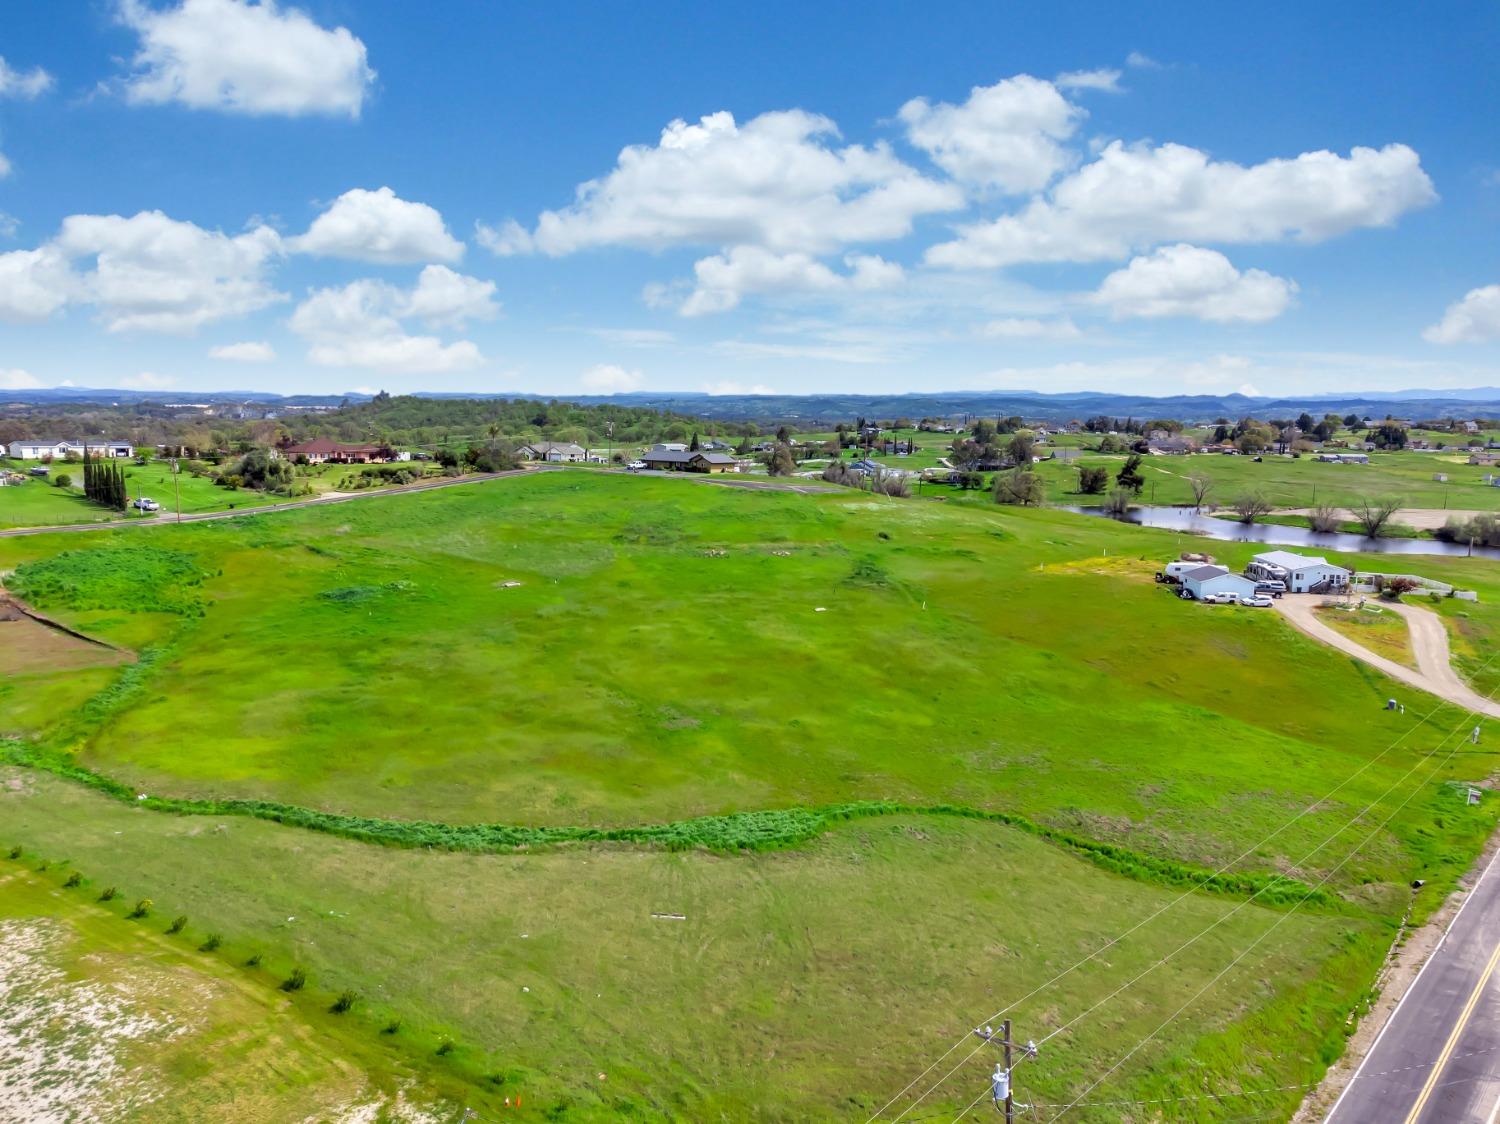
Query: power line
(1203, 881)
(1274, 926)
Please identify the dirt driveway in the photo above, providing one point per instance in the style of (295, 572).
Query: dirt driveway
(1429, 642)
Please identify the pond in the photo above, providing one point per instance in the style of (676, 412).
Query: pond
(1194, 522)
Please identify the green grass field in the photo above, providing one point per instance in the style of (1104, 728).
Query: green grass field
(39, 503)
(583, 650)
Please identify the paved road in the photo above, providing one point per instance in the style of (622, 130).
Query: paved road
(1434, 672)
(168, 519)
(1437, 1061)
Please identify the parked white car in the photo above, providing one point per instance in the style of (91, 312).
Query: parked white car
(1225, 598)
(636, 466)
(145, 504)
(1256, 601)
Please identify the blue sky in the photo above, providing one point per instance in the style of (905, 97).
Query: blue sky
(330, 195)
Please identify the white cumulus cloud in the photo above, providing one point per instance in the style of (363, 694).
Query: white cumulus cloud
(722, 280)
(34, 284)
(23, 83)
(1106, 79)
(379, 226)
(1007, 136)
(359, 325)
(17, 379)
(1475, 319)
(1133, 197)
(240, 56)
(250, 351)
(776, 181)
(445, 298)
(1185, 280)
(154, 273)
(607, 378)
(1030, 328)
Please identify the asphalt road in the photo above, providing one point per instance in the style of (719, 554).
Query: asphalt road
(167, 519)
(1437, 1061)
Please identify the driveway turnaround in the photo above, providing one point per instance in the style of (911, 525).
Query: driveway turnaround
(1437, 1061)
(1429, 640)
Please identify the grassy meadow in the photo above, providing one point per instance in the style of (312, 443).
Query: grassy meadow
(580, 651)
(39, 503)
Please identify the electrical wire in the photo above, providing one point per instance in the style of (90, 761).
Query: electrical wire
(1203, 881)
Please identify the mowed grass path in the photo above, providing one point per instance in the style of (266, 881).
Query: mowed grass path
(664, 656)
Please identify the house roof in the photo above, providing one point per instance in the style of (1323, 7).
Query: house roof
(1203, 573)
(682, 456)
(1289, 561)
(91, 441)
(326, 446)
(545, 447)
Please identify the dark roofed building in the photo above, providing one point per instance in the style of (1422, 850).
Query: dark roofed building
(673, 460)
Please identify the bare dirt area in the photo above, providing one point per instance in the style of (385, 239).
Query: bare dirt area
(1419, 518)
(27, 645)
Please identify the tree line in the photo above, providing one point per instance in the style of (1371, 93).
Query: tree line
(104, 483)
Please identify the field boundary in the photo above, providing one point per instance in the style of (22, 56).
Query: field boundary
(766, 830)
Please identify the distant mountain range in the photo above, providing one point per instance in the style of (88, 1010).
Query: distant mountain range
(812, 408)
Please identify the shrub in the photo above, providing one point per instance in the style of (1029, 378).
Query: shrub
(445, 1047)
(62, 480)
(15, 852)
(345, 1002)
(141, 909)
(1251, 507)
(212, 942)
(253, 961)
(392, 1027)
(108, 895)
(178, 924)
(1324, 518)
(74, 879)
(296, 981)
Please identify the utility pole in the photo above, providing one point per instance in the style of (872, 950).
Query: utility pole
(1010, 1105)
(176, 489)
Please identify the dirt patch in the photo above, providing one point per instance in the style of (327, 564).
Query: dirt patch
(61, 1040)
(27, 645)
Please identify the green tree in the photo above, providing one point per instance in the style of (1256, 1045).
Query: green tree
(1092, 480)
(63, 480)
(780, 462)
(1130, 475)
(696, 444)
(1019, 486)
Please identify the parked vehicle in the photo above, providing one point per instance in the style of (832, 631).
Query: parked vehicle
(1220, 599)
(1270, 585)
(144, 504)
(39, 470)
(636, 466)
(1256, 601)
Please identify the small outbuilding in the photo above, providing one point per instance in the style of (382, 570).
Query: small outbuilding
(1204, 581)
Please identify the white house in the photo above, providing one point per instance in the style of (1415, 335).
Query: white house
(37, 449)
(1203, 581)
(555, 452)
(1301, 573)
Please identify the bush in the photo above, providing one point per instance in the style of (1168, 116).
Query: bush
(296, 981)
(141, 909)
(392, 1027)
(15, 852)
(253, 961)
(74, 879)
(345, 1002)
(445, 1047)
(62, 480)
(178, 924)
(1324, 519)
(108, 895)
(212, 942)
